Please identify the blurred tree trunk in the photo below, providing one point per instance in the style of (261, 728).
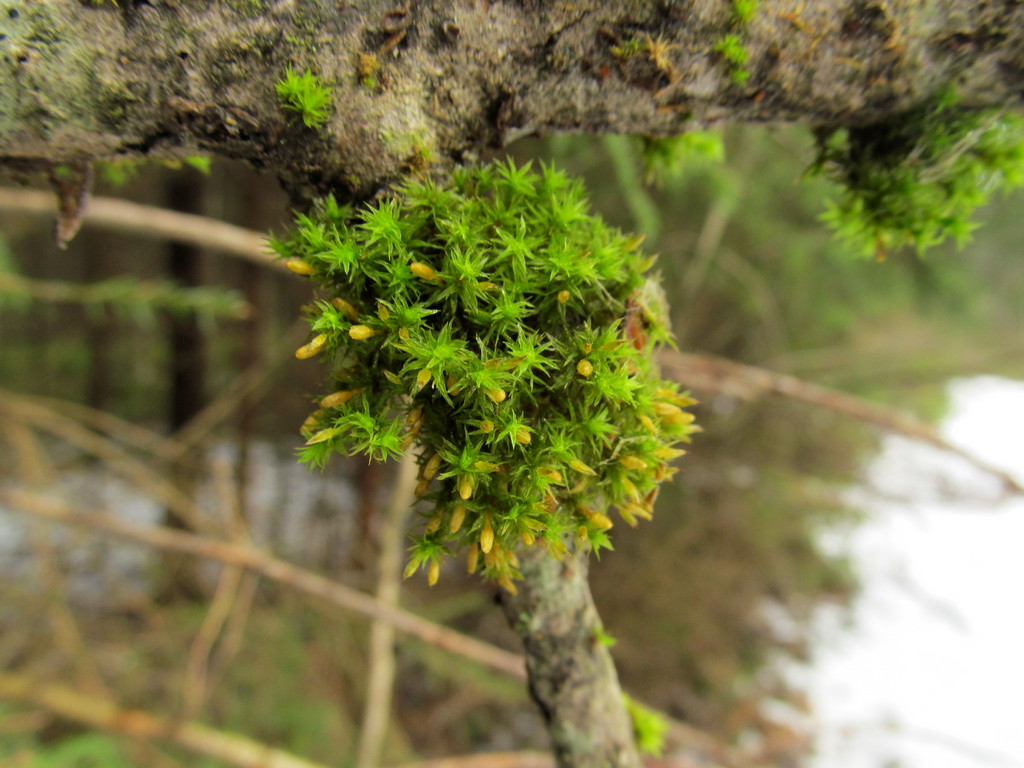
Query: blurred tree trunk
(187, 373)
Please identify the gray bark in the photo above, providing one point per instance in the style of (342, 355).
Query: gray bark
(571, 673)
(85, 79)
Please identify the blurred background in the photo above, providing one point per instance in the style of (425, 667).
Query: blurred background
(154, 385)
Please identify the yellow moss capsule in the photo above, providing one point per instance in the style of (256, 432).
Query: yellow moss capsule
(316, 344)
(563, 297)
(465, 487)
(648, 424)
(410, 568)
(485, 285)
(486, 426)
(423, 271)
(633, 242)
(340, 397)
(523, 436)
(415, 417)
(433, 524)
(667, 454)
(491, 558)
(584, 368)
(640, 511)
(383, 313)
(507, 585)
(632, 462)
(487, 537)
(431, 467)
(421, 488)
(360, 332)
(486, 466)
(322, 435)
(313, 419)
(626, 515)
(497, 395)
(588, 348)
(458, 516)
(528, 538)
(472, 557)
(599, 520)
(433, 572)
(300, 267)
(403, 334)
(423, 378)
(345, 308)
(582, 534)
(579, 466)
(551, 474)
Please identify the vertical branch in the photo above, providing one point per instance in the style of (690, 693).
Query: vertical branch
(379, 682)
(571, 674)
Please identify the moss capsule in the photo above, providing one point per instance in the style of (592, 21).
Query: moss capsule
(316, 344)
(458, 516)
(487, 537)
(339, 398)
(361, 332)
(584, 368)
(299, 266)
(423, 271)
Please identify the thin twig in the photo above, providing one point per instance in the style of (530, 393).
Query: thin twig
(197, 665)
(260, 562)
(380, 680)
(749, 383)
(151, 221)
(38, 472)
(144, 476)
(104, 714)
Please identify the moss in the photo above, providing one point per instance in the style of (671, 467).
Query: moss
(916, 178)
(497, 324)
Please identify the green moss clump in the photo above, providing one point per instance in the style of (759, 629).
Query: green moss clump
(498, 325)
(916, 179)
(306, 95)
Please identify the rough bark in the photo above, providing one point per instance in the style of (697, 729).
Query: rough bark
(572, 676)
(90, 79)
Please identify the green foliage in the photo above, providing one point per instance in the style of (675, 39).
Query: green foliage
(83, 750)
(307, 95)
(670, 156)
(918, 178)
(736, 55)
(498, 324)
(649, 727)
(138, 298)
(743, 11)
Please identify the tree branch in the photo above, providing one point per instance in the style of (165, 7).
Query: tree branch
(749, 383)
(152, 221)
(255, 560)
(571, 674)
(442, 80)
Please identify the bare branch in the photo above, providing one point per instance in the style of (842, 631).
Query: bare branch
(703, 372)
(151, 221)
(260, 562)
(381, 676)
